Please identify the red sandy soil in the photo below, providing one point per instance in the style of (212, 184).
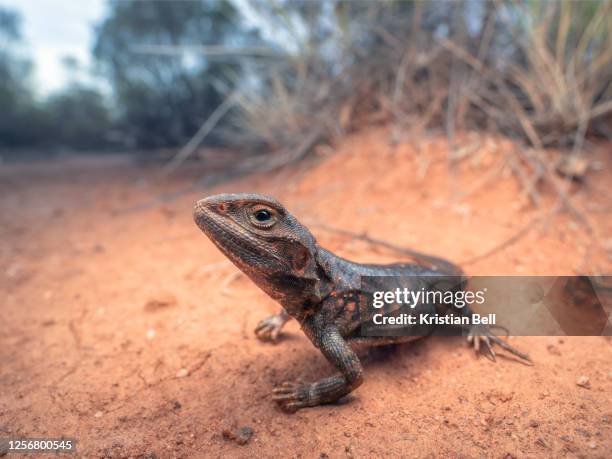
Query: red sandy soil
(128, 330)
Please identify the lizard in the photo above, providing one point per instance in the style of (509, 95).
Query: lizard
(320, 290)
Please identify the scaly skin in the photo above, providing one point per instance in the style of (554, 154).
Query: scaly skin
(321, 291)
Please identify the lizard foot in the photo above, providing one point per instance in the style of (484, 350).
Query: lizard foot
(291, 396)
(481, 336)
(269, 328)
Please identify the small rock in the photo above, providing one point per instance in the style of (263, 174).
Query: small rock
(540, 441)
(98, 414)
(583, 432)
(533, 423)
(554, 350)
(241, 435)
(583, 381)
(592, 445)
(168, 213)
(160, 301)
(150, 334)
(182, 373)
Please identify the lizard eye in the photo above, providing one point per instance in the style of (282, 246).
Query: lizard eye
(262, 217)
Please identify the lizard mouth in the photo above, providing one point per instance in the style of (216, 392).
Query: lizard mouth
(218, 230)
(200, 214)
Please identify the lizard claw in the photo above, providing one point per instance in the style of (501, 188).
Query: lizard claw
(269, 328)
(482, 335)
(476, 340)
(291, 396)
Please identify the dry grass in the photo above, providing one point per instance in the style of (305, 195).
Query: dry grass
(539, 72)
(548, 82)
(558, 84)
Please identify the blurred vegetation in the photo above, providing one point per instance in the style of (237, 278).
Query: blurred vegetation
(288, 75)
(17, 103)
(76, 117)
(539, 71)
(163, 98)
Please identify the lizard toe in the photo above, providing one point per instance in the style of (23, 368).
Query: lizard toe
(268, 329)
(291, 396)
(482, 335)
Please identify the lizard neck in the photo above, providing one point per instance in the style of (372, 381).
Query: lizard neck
(340, 273)
(301, 296)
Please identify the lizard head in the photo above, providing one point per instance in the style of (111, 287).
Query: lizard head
(261, 238)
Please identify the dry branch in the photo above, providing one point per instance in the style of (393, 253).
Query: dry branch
(191, 146)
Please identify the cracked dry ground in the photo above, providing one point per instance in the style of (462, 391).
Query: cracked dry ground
(129, 331)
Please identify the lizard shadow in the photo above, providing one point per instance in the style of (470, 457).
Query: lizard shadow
(391, 361)
(410, 359)
(283, 338)
(397, 362)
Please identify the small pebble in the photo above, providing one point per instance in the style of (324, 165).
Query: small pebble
(182, 373)
(541, 442)
(98, 414)
(583, 381)
(150, 334)
(240, 436)
(592, 445)
(554, 350)
(160, 301)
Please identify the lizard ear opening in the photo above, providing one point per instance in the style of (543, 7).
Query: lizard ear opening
(302, 261)
(300, 257)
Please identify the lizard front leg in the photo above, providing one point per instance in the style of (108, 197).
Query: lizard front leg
(269, 328)
(291, 396)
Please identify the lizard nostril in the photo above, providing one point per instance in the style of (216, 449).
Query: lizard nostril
(222, 208)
